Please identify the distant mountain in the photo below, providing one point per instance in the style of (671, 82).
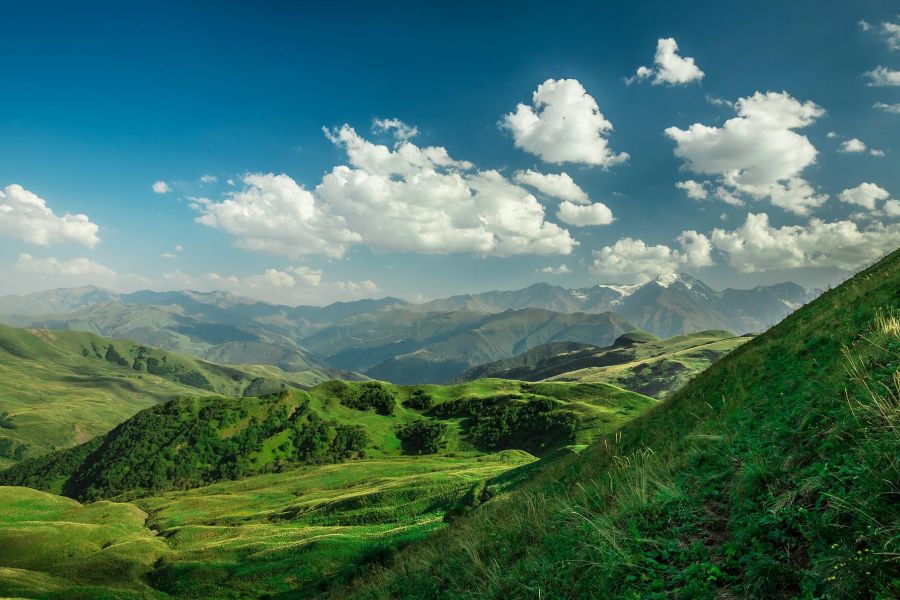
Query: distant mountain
(671, 304)
(397, 340)
(414, 347)
(637, 361)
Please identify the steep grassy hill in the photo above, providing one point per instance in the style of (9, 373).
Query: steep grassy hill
(196, 441)
(773, 474)
(636, 361)
(60, 388)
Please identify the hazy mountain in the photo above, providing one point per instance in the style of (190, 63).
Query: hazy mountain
(671, 304)
(440, 357)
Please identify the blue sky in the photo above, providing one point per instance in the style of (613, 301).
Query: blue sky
(103, 100)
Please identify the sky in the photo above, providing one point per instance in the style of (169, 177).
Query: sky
(307, 154)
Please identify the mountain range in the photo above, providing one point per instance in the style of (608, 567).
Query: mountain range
(400, 341)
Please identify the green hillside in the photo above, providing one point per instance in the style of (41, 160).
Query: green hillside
(637, 361)
(302, 513)
(60, 388)
(773, 474)
(200, 440)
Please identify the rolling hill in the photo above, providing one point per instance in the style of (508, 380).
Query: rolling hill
(62, 388)
(214, 497)
(637, 361)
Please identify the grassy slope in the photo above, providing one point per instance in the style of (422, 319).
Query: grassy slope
(658, 368)
(772, 475)
(61, 390)
(270, 533)
(637, 361)
(142, 455)
(293, 533)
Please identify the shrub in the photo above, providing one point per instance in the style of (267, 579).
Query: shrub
(422, 437)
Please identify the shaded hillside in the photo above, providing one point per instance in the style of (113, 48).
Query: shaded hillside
(773, 474)
(62, 388)
(637, 361)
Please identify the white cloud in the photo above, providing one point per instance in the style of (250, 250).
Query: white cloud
(891, 34)
(53, 266)
(889, 108)
(32, 273)
(892, 208)
(207, 179)
(179, 248)
(560, 186)
(853, 145)
(756, 246)
(864, 25)
(292, 285)
(581, 215)
(563, 124)
(695, 190)
(401, 130)
(883, 76)
(560, 270)
(865, 195)
(169, 255)
(758, 152)
(26, 216)
(670, 68)
(634, 257)
(422, 200)
(161, 187)
(728, 197)
(272, 213)
(876, 152)
(405, 198)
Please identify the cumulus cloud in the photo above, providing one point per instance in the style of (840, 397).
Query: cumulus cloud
(405, 198)
(161, 187)
(757, 153)
(26, 216)
(695, 190)
(205, 179)
(892, 208)
(633, 257)
(864, 25)
(560, 270)
(401, 130)
(581, 215)
(272, 213)
(865, 195)
(757, 246)
(891, 34)
(560, 185)
(852, 146)
(563, 124)
(669, 68)
(883, 76)
(422, 200)
(876, 152)
(54, 266)
(888, 108)
(33, 273)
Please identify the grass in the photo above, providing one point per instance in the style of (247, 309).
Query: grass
(60, 389)
(272, 533)
(773, 474)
